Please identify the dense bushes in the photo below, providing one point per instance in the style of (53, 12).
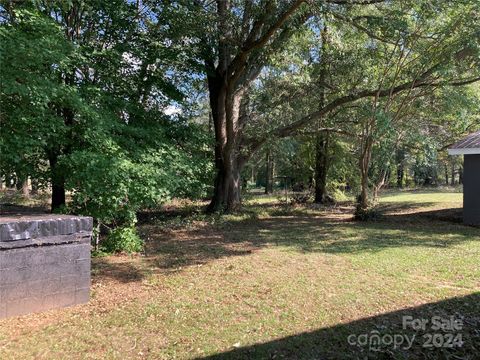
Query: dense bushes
(122, 239)
(70, 122)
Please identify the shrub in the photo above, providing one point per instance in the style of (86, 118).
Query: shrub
(122, 239)
(302, 197)
(366, 214)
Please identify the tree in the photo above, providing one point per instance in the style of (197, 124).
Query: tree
(34, 92)
(244, 36)
(88, 115)
(234, 53)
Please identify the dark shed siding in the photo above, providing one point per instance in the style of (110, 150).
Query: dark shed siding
(471, 189)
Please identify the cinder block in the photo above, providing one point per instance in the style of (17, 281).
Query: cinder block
(44, 264)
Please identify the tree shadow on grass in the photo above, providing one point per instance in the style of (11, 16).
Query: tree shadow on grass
(452, 216)
(11, 210)
(353, 340)
(124, 272)
(302, 232)
(330, 231)
(170, 251)
(308, 234)
(402, 207)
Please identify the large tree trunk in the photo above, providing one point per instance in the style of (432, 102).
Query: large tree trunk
(230, 70)
(225, 107)
(321, 166)
(227, 191)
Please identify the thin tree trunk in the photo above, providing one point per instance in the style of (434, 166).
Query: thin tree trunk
(400, 175)
(453, 175)
(34, 183)
(268, 173)
(446, 174)
(400, 167)
(379, 185)
(364, 164)
(58, 183)
(25, 189)
(19, 183)
(22, 185)
(321, 141)
(8, 181)
(321, 166)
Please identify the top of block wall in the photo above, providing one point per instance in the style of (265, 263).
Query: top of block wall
(29, 230)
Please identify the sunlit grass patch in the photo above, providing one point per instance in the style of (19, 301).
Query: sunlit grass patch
(449, 195)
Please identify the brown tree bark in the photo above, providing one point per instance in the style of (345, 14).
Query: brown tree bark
(34, 183)
(8, 181)
(384, 175)
(322, 137)
(400, 175)
(364, 165)
(446, 174)
(321, 166)
(452, 180)
(22, 185)
(58, 183)
(268, 173)
(225, 106)
(230, 70)
(400, 158)
(234, 59)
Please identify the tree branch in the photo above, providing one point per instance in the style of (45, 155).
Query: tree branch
(251, 44)
(291, 128)
(364, 29)
(355, 2)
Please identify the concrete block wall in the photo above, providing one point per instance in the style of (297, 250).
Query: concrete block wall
(44, 269)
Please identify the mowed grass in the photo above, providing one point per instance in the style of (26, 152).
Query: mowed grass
(272, 282)
(433, 196)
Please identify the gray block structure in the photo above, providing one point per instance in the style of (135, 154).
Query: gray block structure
(471, 189)
(44, 263)
(469, 147)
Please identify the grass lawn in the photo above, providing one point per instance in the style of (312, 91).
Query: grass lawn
(274, 282)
